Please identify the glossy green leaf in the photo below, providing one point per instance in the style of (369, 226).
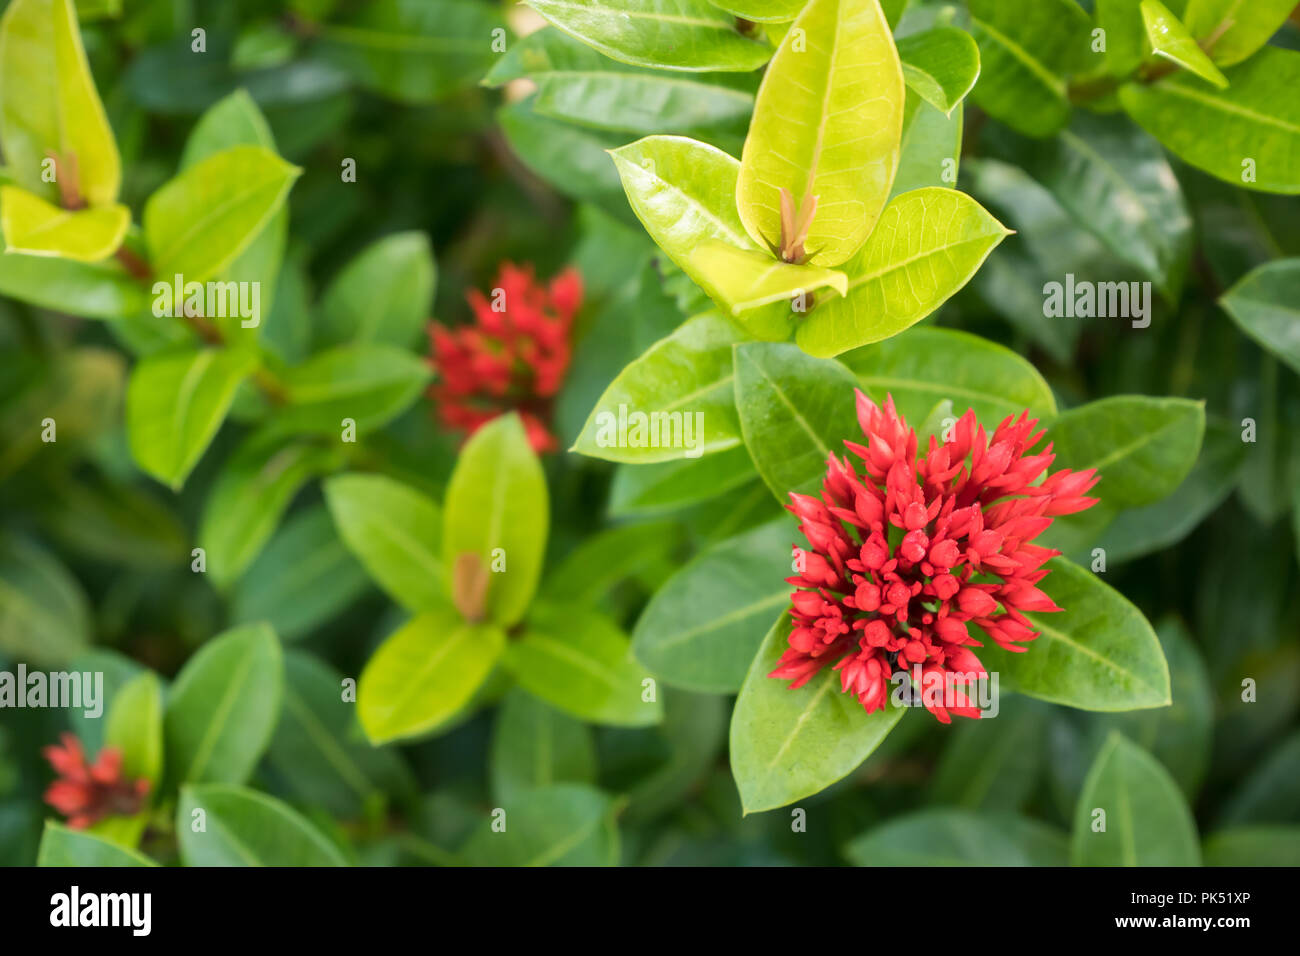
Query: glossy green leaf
(702, 628)
(1170, 40)
(242, 827)
(689, 373)
(1265, 304)
(370, 384)
(100, 290)
(762, 11)
(941, 65)
(1257, 145)
(1098, 653)
(383, 295)
(223, 707)
(1253, 846)
(1236, 27)
(175, 403)
(744, 280)
(562, 825)
(396, 532)
(789, 744)
(44, 613)
(930, 151)
(497, 509)
(927, 245)
(35, 227)
(1147, 820)
(61, 846)
(1142, 447)
(826, 124)
(579, 661)
(535, 746)
(198, 223)
(795, 410)
(424, 673)
(669, 485)
(925, 365)
(688, 35)
(50, 106)
(945, 838)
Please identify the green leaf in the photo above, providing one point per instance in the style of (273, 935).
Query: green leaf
(223, 707)
(669, 485)
(826, 124)
(789, 744)
(702, 628)
(762, 11)
(33, 226)
(135, 728)
(1258, 146)
(1253, 846)
(927, 245)
(383, 295)
(63, 847)
(497, 509)
(946, 838)
(1237, 29)
(687, 35)
(563, 825)
(602, 561)
(396, 532)
(795, 410)
(175, 403)
(579, 661)
(50, 106)
(941, 65)
(198, 223)
(100, 290)
(925, 365)
(1170, 40)
(44, 614)
(572, 159)
(689, 373)
(930, 152)
(232, 120)
(318, 748)
(424, 673)
(535, 746)
(1147, 821)
(245, 828)
(993, 764)
(1026, 48)
(370, 384)
(1125, 35)
(1098, 653)
(745, 280)
(251, 493)
(1142, 447)
(1265, 304)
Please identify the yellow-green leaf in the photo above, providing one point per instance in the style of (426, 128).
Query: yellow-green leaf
(744, 280)
(1170, 40)
(36, 227)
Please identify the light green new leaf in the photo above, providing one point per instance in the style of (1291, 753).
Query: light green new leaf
(1170, 40)
(925, 365)
(1256, 119)
(383, 295)
(795, 410)
(702, 628)
(826, 124)
(1147, 821)
(930, 152)
(941, 65)
(1237, 28)
(788, 744)
(396, 532)
(35, 227)
(743, 281)
(1142, 447)
(245, 828)
(1097, 653)
(61, 846)
(175, 403)
(762, 11)
(1265, 304)
(50, 106)
(948, 838)
(135, 728)
(689, 373)
(688, 35)
(579, 661)
(424, 673)
(232, 120)
(223, 707)
(535, 746)
(927, 245)
(44, 613)
(566, 824)
(370, 384)
(198, 223)
(497, 509)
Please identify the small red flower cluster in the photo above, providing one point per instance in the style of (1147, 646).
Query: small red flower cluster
(85, 794)
(904, 555)
(514, 358)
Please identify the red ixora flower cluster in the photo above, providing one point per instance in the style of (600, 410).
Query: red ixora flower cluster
(87, 793)
(904, 555)
(514, 357)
